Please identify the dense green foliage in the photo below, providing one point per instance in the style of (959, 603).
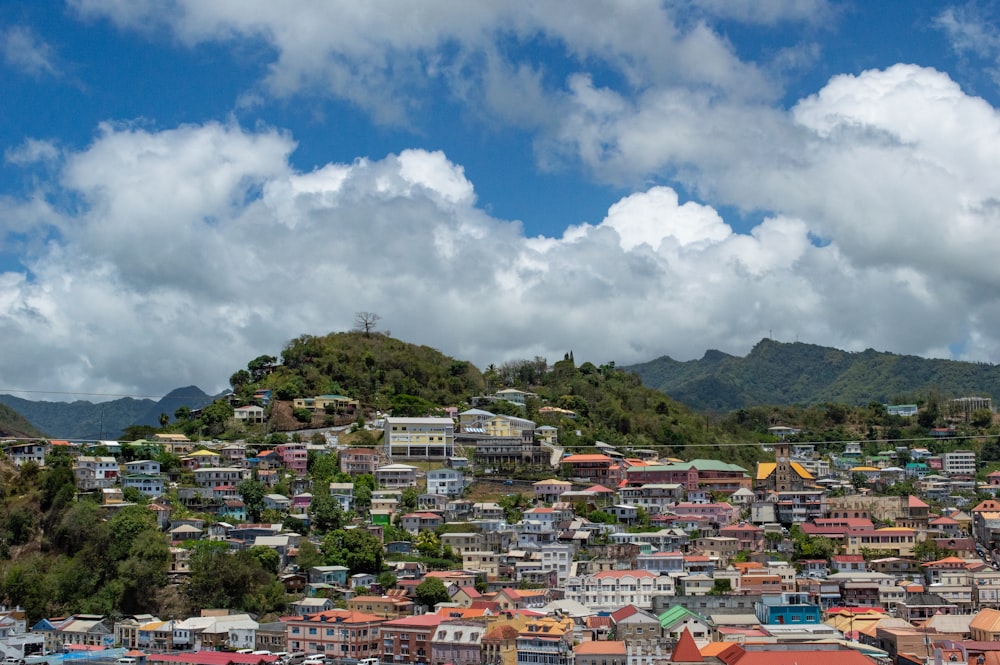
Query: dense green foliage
(797, 373)
(374, 368)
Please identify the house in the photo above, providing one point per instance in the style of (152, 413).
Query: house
(305, 606)
(251, 414)
(458, 642)
(390, 606)
(446, 482)
(335, 575)
(214, 476)
(22, 453)
(331, 404)
(601, 652)
(151, 486)
(547, 640)
(294, 456)
(358, 461)
(143, 467)
(985, 626)
(416, 522)
(396, 476)
(95, 472)
(678, 619)
(550, 490)
(277, 502)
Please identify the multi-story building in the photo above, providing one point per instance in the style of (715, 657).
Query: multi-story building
(892, 540)
(550, 490)
(396, 476)
(446, 482)
(95, 472)
(336, 634)
(959, 463)
(22, 453)
(697, 474)
(144, 467)
(612, 589)
(151, 486)
(295, 457)
(421, 438)
(335, 404)
(408, 639)
(387, 606)
(457, 643)
(593, 468)
(214, 476)
(358, 461)
(547, 641)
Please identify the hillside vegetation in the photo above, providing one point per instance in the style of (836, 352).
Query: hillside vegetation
(796, 373)
(610, 405)
(14, 425)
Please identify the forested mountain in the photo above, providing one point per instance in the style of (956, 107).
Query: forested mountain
(103, 420)
(796, 373)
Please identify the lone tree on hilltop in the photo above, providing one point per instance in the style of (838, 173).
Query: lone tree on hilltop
(365, 322)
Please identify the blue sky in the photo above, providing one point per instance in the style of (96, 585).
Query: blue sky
(497, 180)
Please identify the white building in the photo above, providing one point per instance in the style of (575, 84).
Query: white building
(959, 463)
(446, 482)
(613, 589)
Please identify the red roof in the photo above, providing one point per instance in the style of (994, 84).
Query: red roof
(212, 658)
(686, 650)
(914, 502)
(738, 655)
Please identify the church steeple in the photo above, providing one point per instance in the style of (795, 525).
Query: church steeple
(783, 469)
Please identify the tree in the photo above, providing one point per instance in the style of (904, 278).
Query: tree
(325, 512)
(365, 322)
(260, 367)
(164, 420)
(721, 588)
(357, 549)
(308, 556)
(268, 558)
(982, 418)
(428, 543)
(252, 492)
(430, 592)
(183, 413)
(239, 379)
(386, 580)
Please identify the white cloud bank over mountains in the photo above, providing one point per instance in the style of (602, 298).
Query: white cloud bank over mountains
(164, 257)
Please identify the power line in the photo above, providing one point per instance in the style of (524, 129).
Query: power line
(793, 443)
(70, 392)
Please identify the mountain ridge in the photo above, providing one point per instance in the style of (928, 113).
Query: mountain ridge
(86, 420)
(787, 373)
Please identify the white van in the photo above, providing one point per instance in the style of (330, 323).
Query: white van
(315, 659)
(369, 661)
(126, 660)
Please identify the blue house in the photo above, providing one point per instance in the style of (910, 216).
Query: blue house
(787, 609)
(329, 574)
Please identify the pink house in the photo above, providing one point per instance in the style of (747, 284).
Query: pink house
(294, 456)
